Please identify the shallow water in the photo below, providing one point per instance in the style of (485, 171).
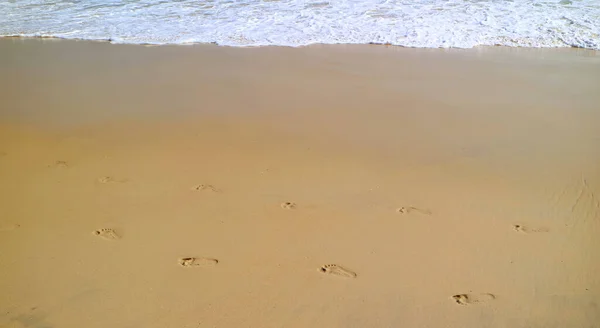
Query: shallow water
(412, 23)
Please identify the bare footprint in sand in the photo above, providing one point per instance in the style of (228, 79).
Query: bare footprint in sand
(197, 262)
(208, 187)
(523, 229)
(288, 205)
(411, 209)
(9, 227)
(468, 299)
(59, 164)
(107, 233)
(337, 270)
(109, 179)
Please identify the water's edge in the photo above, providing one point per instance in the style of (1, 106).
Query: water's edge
(110, 41)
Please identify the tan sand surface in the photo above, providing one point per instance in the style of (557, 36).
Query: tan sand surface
(326, 186)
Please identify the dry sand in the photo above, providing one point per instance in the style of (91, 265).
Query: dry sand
(330, 186)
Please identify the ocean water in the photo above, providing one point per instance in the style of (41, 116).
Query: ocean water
(412, 23)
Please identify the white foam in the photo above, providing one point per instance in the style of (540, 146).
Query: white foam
(413, 23)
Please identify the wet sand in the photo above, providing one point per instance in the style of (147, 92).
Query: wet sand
(338, 186)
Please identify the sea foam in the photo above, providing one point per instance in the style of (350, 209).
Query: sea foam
(411, 23)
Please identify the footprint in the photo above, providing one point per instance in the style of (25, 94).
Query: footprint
(197, 262)
(467, 299)
(108, 179)
(107, 233)
(523, 229)
(201, 187)
(411, 209)
(337, 270)
(288, 205)
(59, 164)
(9, 227)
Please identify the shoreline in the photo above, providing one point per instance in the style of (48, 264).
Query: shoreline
(110, 41)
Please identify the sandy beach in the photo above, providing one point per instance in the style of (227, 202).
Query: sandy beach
(333, 186)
